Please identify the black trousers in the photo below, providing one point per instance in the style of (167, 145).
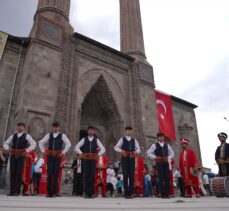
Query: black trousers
(223, 170)
(164, 180)
(89, 169)
(53, 165)
(110, 188)
(36, 181)
(128, 168)
(16, 171)
(78, 184)
(181, 186)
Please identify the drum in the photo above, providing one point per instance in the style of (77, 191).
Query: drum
(220, 186)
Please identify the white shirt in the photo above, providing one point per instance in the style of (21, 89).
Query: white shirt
(110, 174)
(81, 143)
(32, 143)
(118, 146)
(114, 182)
(206, 179)
(43, 142)
(151, 151)
(148, 177)
(38, 165)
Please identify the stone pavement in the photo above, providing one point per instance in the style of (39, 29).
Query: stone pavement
(73, 203)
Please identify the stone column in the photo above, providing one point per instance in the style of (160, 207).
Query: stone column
(132, 41)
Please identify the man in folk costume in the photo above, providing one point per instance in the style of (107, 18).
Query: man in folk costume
(163, 154)
(222, 155)
(129, 147)
(138, 177)
(101, 174)
(58, 145)
(189, 167)
(60, 175)
(27, 173)
(87, 148)
(18, 145)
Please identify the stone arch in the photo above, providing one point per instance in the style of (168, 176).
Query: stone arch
(88, 79)
(101, 102)
(99, 108)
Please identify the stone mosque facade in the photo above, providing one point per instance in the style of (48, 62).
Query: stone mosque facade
(58, 74)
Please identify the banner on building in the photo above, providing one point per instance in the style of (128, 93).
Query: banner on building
(165, 115)
(3, 40)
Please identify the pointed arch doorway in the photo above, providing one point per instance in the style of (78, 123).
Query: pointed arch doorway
(100, 110)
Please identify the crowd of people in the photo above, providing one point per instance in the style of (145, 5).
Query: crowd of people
(94, 174)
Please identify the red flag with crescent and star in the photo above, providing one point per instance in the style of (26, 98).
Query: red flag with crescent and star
(165, 115)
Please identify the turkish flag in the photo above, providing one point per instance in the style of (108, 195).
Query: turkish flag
(165, 115)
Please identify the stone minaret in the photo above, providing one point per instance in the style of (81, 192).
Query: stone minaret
(132, 42)
(62, 6)
(55, 11)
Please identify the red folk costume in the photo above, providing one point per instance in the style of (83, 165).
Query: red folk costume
(101, 174)
(171, 189)
(27, 172)
(60, 174)
(187, 163)
(138, 176)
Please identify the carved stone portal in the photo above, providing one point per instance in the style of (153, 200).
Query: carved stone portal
(100, 110)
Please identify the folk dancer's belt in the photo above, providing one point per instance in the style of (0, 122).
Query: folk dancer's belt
(53, 153)
(128, 154)
(162, 160)
(18, 152)
(89, 156)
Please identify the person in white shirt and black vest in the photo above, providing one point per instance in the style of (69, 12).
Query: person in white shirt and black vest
(57, 146)
(18, 146)
(128, 146)
(163, 154)
(87, 148)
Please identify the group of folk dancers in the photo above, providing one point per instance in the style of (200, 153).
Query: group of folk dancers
(55, 145)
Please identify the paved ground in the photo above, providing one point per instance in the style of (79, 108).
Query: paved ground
(71, 203)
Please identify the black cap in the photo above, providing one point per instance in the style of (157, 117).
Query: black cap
(222, 134)
(128, 128)
(21, 124)
(90, 127)
(160, 134)
(55, 124)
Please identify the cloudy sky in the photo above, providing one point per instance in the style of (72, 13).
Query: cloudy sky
(187, 42)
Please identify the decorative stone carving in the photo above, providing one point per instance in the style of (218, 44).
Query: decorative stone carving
(50, 32)
(65, 84)
(136, 104)
(99, 103)
(37, 128)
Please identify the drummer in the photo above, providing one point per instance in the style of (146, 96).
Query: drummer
(222, 155)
